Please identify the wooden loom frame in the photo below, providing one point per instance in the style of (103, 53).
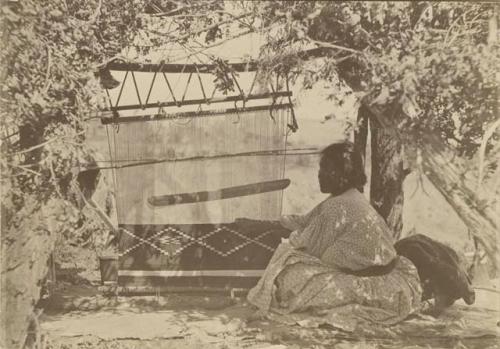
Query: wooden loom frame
(112, 117)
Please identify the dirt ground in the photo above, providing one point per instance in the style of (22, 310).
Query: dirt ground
(80, 316)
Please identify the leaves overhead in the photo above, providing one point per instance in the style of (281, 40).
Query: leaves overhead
(439, 59)
(51, 53)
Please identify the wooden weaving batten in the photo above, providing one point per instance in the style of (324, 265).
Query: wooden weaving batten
(224, 193)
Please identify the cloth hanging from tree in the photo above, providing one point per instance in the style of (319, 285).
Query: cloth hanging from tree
(308, 271)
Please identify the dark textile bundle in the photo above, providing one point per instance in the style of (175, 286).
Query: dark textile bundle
(441, 273)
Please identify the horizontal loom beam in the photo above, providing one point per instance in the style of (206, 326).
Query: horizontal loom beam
(190, 114)
(249, 66)
(135, 163)
(201, 101)
(192, 273)
(115, 289)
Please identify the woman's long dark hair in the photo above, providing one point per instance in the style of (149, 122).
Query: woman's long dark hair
(348, 164)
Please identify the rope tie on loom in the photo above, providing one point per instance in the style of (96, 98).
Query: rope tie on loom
(179, 104)
(168, 85)
(161, 111)
(237, 112)
(152, 83)
(201, 84)
(114, 112)
(271, 107)
(242, 94)
(294, 126)
(253, 84)
(121, 89)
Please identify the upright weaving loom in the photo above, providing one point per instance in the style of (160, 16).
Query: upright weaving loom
(198, 192)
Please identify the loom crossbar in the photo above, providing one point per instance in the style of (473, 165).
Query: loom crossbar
(201, 101)
(190, 114)
(224, 193)
(179, 68)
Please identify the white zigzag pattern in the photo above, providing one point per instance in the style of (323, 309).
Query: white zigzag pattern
(194, 240)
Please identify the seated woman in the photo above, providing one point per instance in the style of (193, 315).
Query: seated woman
(340, 260)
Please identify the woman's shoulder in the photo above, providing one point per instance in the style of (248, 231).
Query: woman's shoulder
(351, 199)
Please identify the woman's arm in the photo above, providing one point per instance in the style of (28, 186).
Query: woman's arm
(296, 239)
(296, 223)
(293, 221)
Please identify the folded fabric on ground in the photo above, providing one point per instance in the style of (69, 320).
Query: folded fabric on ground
(441, 270)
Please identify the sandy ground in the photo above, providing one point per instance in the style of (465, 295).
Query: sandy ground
(79, 317)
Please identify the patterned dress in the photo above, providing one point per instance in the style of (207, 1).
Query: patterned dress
(306, 273)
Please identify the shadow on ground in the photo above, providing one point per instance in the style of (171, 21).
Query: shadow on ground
(80, 317)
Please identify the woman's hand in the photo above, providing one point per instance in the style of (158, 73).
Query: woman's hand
(292, 222)
(296, 241)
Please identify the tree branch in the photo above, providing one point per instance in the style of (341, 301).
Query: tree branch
(45, 143)
(182, 8)
(37, 146)
(336, 47)
(94, 16)
(205, 47)
(482, 150)
(25, 169)
(202, 30)
(47, 73)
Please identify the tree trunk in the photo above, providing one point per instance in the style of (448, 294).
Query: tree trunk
(25, 249)
(387, 173)
(386, 186)
(445, 171)
(27, 240)
(361, 132)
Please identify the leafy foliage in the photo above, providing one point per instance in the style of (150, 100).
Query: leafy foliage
(439, 59)
(50, 54)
